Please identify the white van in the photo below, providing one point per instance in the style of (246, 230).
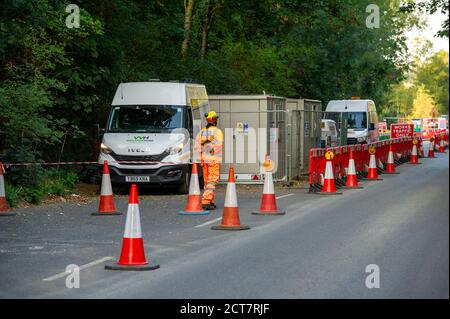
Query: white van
(329, 134)
(149, 134)
(362, 125)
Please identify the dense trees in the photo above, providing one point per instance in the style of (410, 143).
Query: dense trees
(55, 82)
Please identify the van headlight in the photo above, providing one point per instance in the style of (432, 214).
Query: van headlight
(361, 139)
(105, 149)
(175, 149)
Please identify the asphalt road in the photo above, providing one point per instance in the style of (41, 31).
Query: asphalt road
(319, 249)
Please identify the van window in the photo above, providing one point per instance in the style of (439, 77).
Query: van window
(146, 118)
(332, 129)
(357, 120)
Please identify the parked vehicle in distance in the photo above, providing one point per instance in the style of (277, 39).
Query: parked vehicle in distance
(362, 124)
(152, 122)
(329, 133)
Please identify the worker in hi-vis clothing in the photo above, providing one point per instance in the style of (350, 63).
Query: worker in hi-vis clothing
(209, 144)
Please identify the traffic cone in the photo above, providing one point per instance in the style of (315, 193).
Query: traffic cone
(230, 218)
(390, 165)
(4, 207)
(431, 149)
(106, 205)
(372, 173)
(442, 145)
(351, 181)
(414, 158)
(194, 202)
(132, 256)
(268, 200)
(329, 188)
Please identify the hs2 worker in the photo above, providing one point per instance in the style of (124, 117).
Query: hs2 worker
(209, 144)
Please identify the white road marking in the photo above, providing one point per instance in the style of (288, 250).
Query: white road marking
(208, 222)
(283, 196)
(93, 263)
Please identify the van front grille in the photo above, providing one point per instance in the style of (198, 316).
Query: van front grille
(139, 158)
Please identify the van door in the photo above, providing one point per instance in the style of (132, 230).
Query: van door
(373, 123)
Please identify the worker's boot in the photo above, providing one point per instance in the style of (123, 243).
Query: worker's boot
(210, 206)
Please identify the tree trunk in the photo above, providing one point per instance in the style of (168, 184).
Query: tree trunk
(188, 8)
(210, 10)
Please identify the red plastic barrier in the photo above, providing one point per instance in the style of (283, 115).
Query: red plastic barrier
(401, 146)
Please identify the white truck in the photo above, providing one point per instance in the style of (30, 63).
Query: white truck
(149, 133)
(362, 125)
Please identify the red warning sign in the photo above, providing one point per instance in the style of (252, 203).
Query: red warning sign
(402, 130)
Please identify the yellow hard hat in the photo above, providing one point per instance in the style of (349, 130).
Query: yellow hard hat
(211, 114)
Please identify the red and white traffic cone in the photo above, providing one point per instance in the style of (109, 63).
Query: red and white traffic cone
(351, 181)
(442, 145)
(106, 205)
(194, 202)
(268, 200)
(372, 173)
(414, 159)
(230, 218)
(431, 149)
(4, 207)
(390, 165)
(132, 256)
(329, 187)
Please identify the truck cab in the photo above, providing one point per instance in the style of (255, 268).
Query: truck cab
(362, 125)
(149, 133)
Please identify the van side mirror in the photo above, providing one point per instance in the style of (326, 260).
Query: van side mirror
(372, 126)
(98, 131)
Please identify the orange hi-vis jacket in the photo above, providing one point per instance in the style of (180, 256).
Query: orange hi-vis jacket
(209, 145)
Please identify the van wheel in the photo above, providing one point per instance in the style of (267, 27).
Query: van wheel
(183, 188)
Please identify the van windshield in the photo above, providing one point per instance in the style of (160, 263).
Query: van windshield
(357, 120)
(146, 118)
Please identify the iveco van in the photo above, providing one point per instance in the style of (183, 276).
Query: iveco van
(362, 125)
(148, 135)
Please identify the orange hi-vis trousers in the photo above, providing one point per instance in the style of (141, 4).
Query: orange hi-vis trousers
(211, 174)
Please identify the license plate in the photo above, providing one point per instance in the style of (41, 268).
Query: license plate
(137, 179)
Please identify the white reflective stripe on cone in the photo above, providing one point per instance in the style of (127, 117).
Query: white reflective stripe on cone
(351, 167)
(230, 197)
(414, 150)
(2, 186)
(390, 158)
(106, 185)
(194, 186)
(133, 224)
(268, 184)
(372, 163)
(329, 170)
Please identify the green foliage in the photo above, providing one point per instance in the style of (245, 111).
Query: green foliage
(38, 184)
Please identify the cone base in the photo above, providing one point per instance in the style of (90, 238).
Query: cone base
(106, 213)
(239, 227)
(268, 213)
(7, 214)
(373, 179)
(203, 212)
(328, 193)
(115, 266)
